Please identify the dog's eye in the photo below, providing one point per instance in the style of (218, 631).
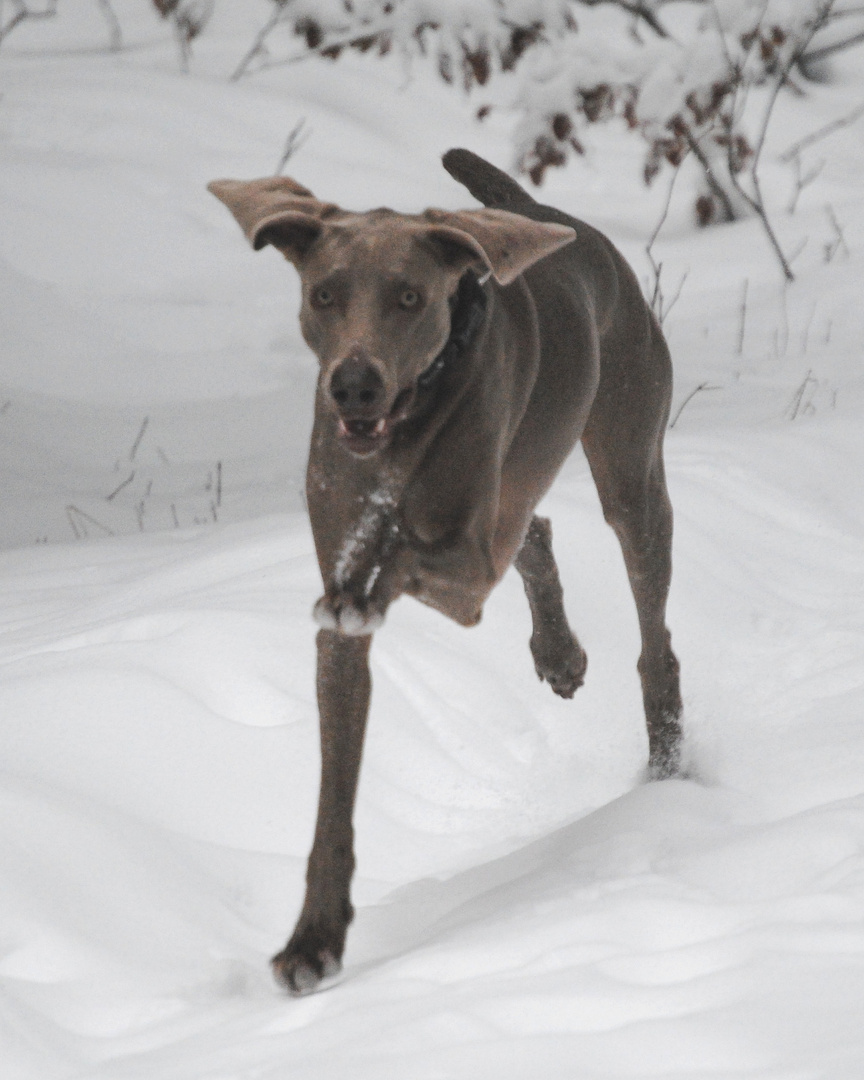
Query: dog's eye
(409, 299)
(322, 297)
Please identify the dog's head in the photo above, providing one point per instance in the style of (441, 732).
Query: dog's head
(377, 288)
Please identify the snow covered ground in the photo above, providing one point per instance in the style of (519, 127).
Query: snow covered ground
(525, 907)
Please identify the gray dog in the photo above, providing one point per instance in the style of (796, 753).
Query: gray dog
(463, 354)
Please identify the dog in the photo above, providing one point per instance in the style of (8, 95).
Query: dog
(462, 356)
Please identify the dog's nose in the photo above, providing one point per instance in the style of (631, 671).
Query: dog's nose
(357, 387)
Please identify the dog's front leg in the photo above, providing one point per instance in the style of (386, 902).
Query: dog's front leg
(314, 951)
(368, 575)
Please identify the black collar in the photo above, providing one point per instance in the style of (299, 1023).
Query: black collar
(467, 314)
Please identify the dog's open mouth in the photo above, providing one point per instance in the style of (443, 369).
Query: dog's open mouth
(364, 436)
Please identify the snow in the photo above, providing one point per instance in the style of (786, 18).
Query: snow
(525, 906)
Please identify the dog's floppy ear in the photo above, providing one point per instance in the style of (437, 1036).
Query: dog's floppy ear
(275, 210)
(506, 243)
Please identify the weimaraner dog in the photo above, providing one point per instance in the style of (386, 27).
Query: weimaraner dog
(463, 354)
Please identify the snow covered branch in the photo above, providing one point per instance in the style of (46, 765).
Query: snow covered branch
(679, 75)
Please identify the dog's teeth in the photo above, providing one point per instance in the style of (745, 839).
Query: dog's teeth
(379, 427)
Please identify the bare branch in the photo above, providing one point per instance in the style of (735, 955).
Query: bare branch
(78, 520)
(138, 438)
(114, 29)
(757, 205)
(689, 398)
(295, 140)
(714, 185)
(657, 301)
(639, 9)
(23, 13)
(822, 133)
(798, 405)
(258, 45)
(802, 180)
(839, 240)
(123, 484)
(188, 19)
(742, 322)
(829, 50)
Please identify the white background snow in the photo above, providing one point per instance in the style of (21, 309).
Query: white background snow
(526, 908)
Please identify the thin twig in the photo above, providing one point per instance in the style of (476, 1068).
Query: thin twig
(689, 398)
(677, 295)
(757, 204)
(664, 215)
(714, 184)
(803, 181)
(74, 513)
(657, 302)
(640, 10)
(119, 488)
(23, 13)
(801, 245)
(295, 140)
(71, 520)
(277, 16)
(138, 438)
(829, 50)
(839, 241)
(822, 133)
(782, 332)
(743, 319)
(795, 405)
(114, 29)
(805, 337)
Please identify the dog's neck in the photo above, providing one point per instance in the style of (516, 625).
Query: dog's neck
(467, 314)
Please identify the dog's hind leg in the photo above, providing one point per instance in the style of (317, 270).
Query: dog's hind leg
(623, 443)
(558, 657)
(638, 510)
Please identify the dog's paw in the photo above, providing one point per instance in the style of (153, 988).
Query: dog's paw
(343, 614)
(561, 662)
(666, 759)
(304, 970)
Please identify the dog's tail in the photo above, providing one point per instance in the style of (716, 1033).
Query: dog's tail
(489, 185)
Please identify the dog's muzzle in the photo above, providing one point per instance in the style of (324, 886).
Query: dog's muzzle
(357, 389)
